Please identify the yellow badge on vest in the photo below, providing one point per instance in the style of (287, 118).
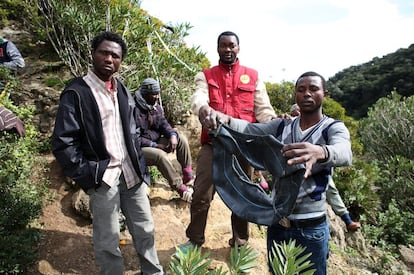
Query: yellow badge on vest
(244, 79)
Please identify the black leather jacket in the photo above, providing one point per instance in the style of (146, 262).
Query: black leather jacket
(78, 141)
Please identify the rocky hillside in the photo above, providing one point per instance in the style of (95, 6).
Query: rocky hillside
(67, 246)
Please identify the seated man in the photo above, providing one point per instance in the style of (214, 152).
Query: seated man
(159, 139)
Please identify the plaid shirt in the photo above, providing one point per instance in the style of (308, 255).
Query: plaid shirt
(114, 136)
(7, 119)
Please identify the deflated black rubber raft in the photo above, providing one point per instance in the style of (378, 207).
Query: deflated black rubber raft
(245, 198)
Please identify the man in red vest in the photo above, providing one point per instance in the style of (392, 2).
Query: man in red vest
(235, 90)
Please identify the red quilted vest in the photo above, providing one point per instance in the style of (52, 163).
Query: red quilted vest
(231, 91)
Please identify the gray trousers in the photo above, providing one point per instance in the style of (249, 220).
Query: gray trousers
(161, 159)
(105, 204)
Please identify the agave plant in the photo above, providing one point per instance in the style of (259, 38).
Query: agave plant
(287, 259)
(193, 262)
(242, 259)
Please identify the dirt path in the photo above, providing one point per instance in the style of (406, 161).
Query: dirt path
(67, 245)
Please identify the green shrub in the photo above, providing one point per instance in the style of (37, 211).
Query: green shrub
(388, 130)
(387, 135)
(394, 221)
(397, 181)
(9, 9)
(22, 194)
(17, 250)
(153, 49)
(356, 185)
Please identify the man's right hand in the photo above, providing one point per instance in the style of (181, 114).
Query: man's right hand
(20, 128)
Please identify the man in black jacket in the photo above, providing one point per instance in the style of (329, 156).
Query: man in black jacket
(96, 141)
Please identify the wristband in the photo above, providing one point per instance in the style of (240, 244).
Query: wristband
(325, 150)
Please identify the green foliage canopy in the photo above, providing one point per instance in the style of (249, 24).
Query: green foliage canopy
(359, 87)
(388, 130)
(154, 49)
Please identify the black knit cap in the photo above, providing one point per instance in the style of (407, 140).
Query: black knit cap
(150, 86)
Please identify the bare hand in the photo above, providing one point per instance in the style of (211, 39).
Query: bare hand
(20, 128)
(303, 153)
(209, 117)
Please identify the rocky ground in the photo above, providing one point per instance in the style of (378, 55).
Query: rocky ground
(67, 245)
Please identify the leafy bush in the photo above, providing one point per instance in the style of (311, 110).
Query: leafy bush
(282, 96)
(388, 135)
(9, 9)
(394, 222)
(154, 49)
(388, 130)
(21, 198)
(397, 181)
(356, 187)
(394, 227)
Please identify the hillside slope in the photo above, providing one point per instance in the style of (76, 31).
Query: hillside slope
(67, 244)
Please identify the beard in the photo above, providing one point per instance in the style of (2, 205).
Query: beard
(227, 61)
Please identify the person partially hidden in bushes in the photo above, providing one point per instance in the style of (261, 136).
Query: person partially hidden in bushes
(10, 55)
(97, 143)
(11, 122)
(158, 138)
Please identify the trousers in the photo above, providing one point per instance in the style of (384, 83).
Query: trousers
(105, 203)
(202, 197)
(246, 199)
(161, 159)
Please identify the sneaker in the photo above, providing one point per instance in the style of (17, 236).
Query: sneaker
(187, 195)
(353, 226)
(184, 248)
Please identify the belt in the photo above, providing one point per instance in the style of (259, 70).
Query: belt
(302, 223)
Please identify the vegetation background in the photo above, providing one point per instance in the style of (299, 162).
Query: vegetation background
(375, 100)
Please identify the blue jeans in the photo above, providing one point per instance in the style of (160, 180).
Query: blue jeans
(315, 239)
(105, 204)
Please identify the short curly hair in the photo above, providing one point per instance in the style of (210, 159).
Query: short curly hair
(110, 36)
